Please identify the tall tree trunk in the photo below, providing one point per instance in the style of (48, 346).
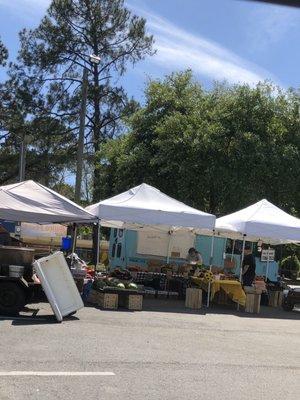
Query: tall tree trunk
(97, 135)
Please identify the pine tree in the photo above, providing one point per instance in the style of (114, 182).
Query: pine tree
(52, 58)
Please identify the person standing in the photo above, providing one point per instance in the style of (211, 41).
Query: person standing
(194, 257)
(249, 266)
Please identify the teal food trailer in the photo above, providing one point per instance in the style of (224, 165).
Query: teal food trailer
(136, 248)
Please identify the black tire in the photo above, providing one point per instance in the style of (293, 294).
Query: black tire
(287, 306)
(12, 298)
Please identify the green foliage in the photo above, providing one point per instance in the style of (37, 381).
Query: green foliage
(3, 54)
(290, 266)
(218, 150)
(64, 189)
(52, 58)
(291, 263)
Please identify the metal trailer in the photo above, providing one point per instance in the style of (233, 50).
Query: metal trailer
(15, 292)
(291, 297)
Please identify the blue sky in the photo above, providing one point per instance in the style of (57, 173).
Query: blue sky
(237, 41)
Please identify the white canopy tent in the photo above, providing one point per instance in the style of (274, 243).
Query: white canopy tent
(29, 201)
(146, 206)
(261, 221)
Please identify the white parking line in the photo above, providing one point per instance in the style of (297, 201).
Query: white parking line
(55, 373)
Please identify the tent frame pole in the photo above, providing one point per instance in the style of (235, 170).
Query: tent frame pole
(241, 265)
(98, 246)
(74, 238)
(242, 258)
(210, 267)
(232, 252)
(74, 242)
(268, 262)
(169, 245)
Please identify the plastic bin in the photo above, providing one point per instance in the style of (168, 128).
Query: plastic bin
(66, 243)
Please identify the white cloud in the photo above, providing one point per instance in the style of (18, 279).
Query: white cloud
(179, 49)
(269, 25)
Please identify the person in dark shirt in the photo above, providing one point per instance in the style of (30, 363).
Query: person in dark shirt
(4, 237)
(249, 266)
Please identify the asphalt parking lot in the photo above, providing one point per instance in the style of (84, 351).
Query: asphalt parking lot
(153, 354)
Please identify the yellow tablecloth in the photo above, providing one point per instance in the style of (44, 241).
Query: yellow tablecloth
(233, 289)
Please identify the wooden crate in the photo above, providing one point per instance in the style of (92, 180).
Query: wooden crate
(131, 301)
(107, 301)
(275, 298)
(193, 298)
(134, 302)
(252, 303)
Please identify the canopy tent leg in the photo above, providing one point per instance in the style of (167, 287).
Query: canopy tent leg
(268, 262)
(233, 246)
(74, 242)
(169, 246)
(210, 266)
(241, 265)
(74, 238)
(96, 245)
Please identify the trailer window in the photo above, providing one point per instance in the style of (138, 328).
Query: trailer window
(113, 250)
(119, 250)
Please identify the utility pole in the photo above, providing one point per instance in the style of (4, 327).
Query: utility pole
(80, 148)
(22, 158)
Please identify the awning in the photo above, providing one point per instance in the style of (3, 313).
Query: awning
(145, 206)
(29, 201)
(260, 221)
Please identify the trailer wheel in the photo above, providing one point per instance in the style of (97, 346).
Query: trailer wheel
(12, 298)
(287, 306)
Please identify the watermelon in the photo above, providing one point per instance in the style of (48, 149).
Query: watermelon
(120, 286)
(132, 286)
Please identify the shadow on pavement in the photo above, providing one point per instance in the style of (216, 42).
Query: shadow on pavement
(24, 319)
(177, 306)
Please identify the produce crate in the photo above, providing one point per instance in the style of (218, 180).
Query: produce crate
(193, 298)
(105, 300)
(252, 303)
(275, 298)
(134, 302)
(108, 301)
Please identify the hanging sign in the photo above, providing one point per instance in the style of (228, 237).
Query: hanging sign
(265, 253)
(160, 243)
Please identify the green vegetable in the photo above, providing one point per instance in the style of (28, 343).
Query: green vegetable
(132, 286)
(121, 285)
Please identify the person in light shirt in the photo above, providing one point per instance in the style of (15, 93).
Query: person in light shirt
(194, 257)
